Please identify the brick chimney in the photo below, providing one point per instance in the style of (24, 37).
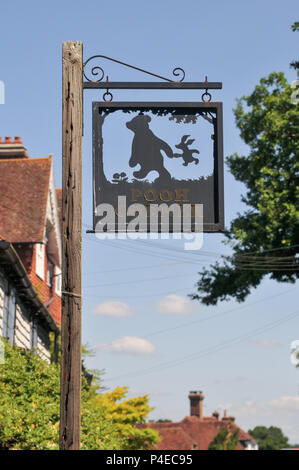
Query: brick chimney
(12, 149)
(196, 404)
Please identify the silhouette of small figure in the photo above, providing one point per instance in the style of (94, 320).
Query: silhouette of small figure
(187, 153)
(119, 178)
(146, 149)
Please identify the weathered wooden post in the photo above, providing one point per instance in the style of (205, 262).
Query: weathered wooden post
(70, 398)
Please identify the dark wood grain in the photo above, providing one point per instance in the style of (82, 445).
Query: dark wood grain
(70, 416)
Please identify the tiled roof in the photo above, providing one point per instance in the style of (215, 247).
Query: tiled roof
(244, 436)
(175, 438)
(193, 433)
(24, 185)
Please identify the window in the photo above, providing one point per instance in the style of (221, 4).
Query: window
(5, 314)
(58, 281)
(50, 274)
(9, 316)
(40, 260)
(33, 339)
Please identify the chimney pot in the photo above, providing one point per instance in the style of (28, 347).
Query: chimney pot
(12, 149)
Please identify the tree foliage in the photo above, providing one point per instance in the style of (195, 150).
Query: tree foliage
(29, 409)
(271, 438)
(125, 414)
(264, 238)
(295, 63)
(227, 438)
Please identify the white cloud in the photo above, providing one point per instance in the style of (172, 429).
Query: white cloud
(113, 309)
(174, 305)
(276, 406)
(285, 403)
(128, 344)
(281, 412)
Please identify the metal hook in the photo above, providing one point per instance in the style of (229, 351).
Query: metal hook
(206, 93)
(107, 94)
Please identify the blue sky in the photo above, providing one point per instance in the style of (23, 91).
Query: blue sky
(185, 345)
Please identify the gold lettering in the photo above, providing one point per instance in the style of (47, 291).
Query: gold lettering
(182, 195)
(135, 194)
(166, 195)
(151, 195)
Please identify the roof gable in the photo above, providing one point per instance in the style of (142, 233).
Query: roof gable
(24, 187)
(53, 222)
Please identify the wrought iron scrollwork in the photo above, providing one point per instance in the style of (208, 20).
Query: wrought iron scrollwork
(99, 73)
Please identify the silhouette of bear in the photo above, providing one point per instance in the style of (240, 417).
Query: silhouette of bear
(146, 149)
(187, 153)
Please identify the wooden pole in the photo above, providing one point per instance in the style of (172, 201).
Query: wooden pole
(70, 387)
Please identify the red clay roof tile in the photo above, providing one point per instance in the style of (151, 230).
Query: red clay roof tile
(192, 433)
(24, 185)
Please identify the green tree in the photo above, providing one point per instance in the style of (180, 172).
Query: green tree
(126, 413)
(227, 438)
(271, 438)
(264, 239)
(29, 409)
(295, 63)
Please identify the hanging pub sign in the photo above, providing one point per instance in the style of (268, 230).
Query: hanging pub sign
(158, 167)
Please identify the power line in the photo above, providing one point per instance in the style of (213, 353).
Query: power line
(215, 254)
(146, 253)
(137, 281)
(245, 261)
(135, 268)
(171, 248)
(141, 296)
(268, 269)
(206, 253)
(269, 250)
(217, 315)
(140, 251)
(209, 350)
(168, 248)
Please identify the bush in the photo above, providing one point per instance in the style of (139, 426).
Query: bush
(29, 409)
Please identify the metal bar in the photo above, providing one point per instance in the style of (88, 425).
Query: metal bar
(136, 105)
(154, 85)
(208, 228)
(97, 70)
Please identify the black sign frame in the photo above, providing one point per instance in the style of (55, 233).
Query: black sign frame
(176, 108)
